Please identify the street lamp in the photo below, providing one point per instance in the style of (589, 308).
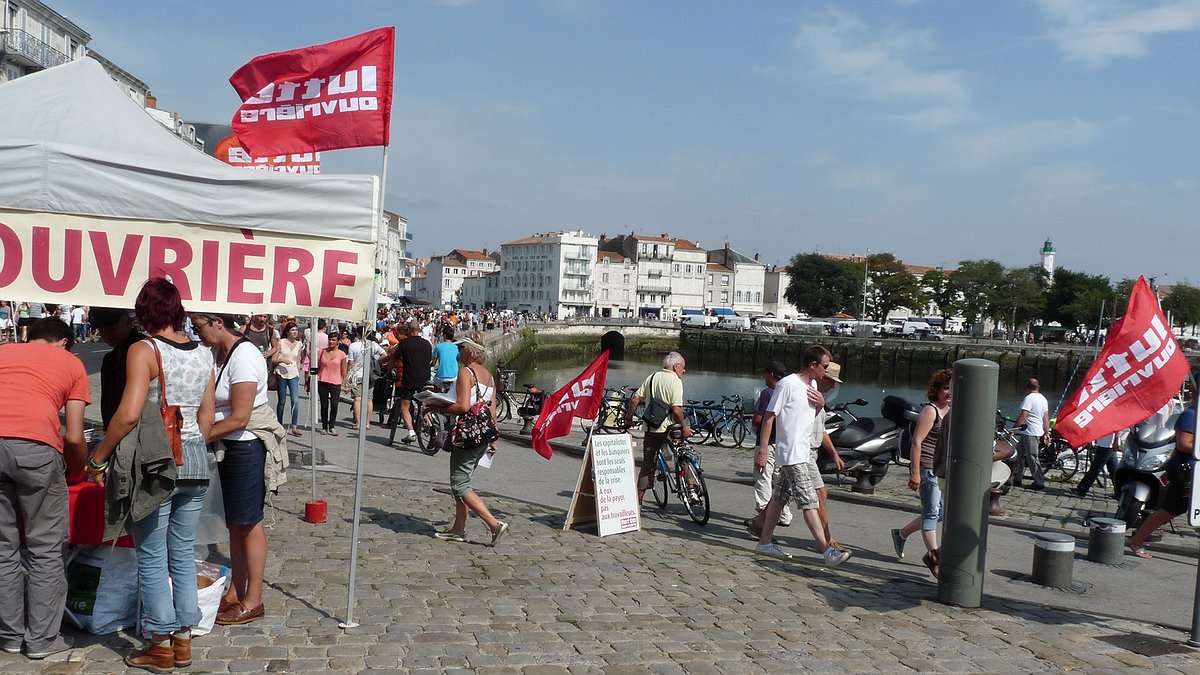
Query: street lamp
(866, 267)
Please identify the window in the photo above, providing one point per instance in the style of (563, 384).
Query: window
(626, 278)
(677, 268)
(604, 293)
(604, 277)
(724, 297)
(737, 296)
(710, 294)
(710, 279)
(724, 279)
(758, 296)
(687, 269)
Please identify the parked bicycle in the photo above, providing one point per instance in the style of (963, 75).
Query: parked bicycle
(721, 423)
(684, 477)
(527, 403)
(1057, 455)
(611, 418)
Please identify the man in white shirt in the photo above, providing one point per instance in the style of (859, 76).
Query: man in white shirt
(792, 414)
(1033, 425)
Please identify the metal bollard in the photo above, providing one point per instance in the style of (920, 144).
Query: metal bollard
(1053, 559)
(1106, 541)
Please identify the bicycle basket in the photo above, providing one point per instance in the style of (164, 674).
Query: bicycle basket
(507, 380)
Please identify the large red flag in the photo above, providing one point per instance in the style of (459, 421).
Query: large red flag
(1140, 369)
(324, 97)
(578, 398)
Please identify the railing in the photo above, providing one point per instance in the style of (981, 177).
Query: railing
(36, 52)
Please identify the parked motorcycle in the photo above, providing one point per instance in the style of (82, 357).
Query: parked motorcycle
(1138, 483)
(866, 444)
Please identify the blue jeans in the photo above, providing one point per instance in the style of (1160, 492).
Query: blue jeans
(931, 501)
(292, 387)
(164, 541)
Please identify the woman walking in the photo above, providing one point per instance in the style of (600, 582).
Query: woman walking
(332, 365)
(287, 370)
(252, 440)
(166, 512)
(474, 384)
(922, 471)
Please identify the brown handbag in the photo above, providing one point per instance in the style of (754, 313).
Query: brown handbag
(172, 416)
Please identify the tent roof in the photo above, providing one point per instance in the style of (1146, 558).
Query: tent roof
(72, 142)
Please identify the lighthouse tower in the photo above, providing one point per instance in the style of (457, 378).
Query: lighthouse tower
(1048, 259)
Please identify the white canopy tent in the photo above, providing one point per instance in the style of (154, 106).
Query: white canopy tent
(95, 196)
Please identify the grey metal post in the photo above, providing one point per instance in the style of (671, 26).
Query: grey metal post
(968, 482)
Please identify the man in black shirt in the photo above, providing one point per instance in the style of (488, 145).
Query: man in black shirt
(416, 355)
(116, 329)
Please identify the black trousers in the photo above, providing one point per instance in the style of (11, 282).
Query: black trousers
(331, 395)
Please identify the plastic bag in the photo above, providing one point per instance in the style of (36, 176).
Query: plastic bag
(102, 589)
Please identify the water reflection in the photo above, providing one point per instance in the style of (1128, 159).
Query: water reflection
(704, 384)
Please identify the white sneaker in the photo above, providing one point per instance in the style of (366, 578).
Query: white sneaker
(834, 557)
(773, 550)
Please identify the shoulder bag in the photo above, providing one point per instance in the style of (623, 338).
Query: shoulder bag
(172, 416)
(656, 411)
(476, 426)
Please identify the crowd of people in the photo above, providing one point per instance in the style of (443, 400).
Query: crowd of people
(183, 401)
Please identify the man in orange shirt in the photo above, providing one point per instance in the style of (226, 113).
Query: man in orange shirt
(41, 378)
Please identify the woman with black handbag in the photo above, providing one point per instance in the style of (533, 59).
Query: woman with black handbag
(473, 434)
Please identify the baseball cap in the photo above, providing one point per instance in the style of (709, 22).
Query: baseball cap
(104, 317)
(834, 371)
(776, 368)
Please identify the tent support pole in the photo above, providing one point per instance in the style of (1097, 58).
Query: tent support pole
(362, 406)
(312, 403)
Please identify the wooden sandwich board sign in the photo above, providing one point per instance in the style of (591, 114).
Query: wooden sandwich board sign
(606, 492)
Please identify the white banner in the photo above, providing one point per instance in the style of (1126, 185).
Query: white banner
(103, 262)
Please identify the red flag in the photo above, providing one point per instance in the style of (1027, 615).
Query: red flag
(578, 398)
(1140, 369)
(324, 97)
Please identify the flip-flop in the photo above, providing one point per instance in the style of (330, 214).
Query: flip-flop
(1139, 552)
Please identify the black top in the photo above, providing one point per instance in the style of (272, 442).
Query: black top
(417, 355)
(112, 377)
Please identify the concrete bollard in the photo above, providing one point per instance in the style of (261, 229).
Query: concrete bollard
(1053, 559)
(1106, 541)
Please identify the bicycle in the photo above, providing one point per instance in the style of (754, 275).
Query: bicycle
(527, 403)
(611, 418)
(686, 480)
(426, 424)
(724, 424)
(1057, 455)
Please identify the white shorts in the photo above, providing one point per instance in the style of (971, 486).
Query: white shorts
(6, 324)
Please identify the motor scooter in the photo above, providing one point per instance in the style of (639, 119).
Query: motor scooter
(866, 444)
(1138, 484)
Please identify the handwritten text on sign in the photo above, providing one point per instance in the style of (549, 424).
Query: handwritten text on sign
(104, 261)
(616, 484)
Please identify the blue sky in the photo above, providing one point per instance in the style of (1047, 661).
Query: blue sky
(939, 130)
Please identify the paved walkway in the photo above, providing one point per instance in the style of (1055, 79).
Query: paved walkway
(549, 601)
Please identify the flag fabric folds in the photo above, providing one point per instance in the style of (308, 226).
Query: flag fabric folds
(581, 397)
(324, 97)
(1140, 369)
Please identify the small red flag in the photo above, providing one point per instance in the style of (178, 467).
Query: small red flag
(578, 398)
(1140, 369)
(323, 97)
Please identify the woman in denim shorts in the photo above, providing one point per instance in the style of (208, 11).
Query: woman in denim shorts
(921, 474)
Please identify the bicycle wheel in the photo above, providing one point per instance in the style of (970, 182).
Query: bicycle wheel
(731, 431)
(396, 416)
(658, 484)
(427, 426)
(1068, 464)
(503, 408)
(695, 493)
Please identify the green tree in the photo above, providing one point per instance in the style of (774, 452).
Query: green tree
(977, 284)
(1123, 291)
(892, 286)
(1022, 296)
(941, 292)
(1184, 306)
(1075, 298)
(823, 287)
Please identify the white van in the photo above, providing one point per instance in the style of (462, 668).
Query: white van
(697, 321)
(734, 323)
(909, 328)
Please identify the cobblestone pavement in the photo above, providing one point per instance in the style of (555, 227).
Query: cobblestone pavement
(1056, 508)
(549, 601)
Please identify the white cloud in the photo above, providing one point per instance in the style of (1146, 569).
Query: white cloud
(1094, 32)
(843, 52)
(1025, 139)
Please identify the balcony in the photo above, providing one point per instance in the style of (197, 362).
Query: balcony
(406, 236)
(653, 287)
(577, 270)
(26, 50)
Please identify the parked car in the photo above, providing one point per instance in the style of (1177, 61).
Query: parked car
(927, 334)
(734, 323)
(698, 321)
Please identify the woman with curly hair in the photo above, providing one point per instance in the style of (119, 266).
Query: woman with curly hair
(922, 470)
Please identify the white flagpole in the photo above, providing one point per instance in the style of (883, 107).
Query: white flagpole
(313, 356)
(362, 407)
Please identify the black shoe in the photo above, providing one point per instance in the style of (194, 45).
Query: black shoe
(1036, 488)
